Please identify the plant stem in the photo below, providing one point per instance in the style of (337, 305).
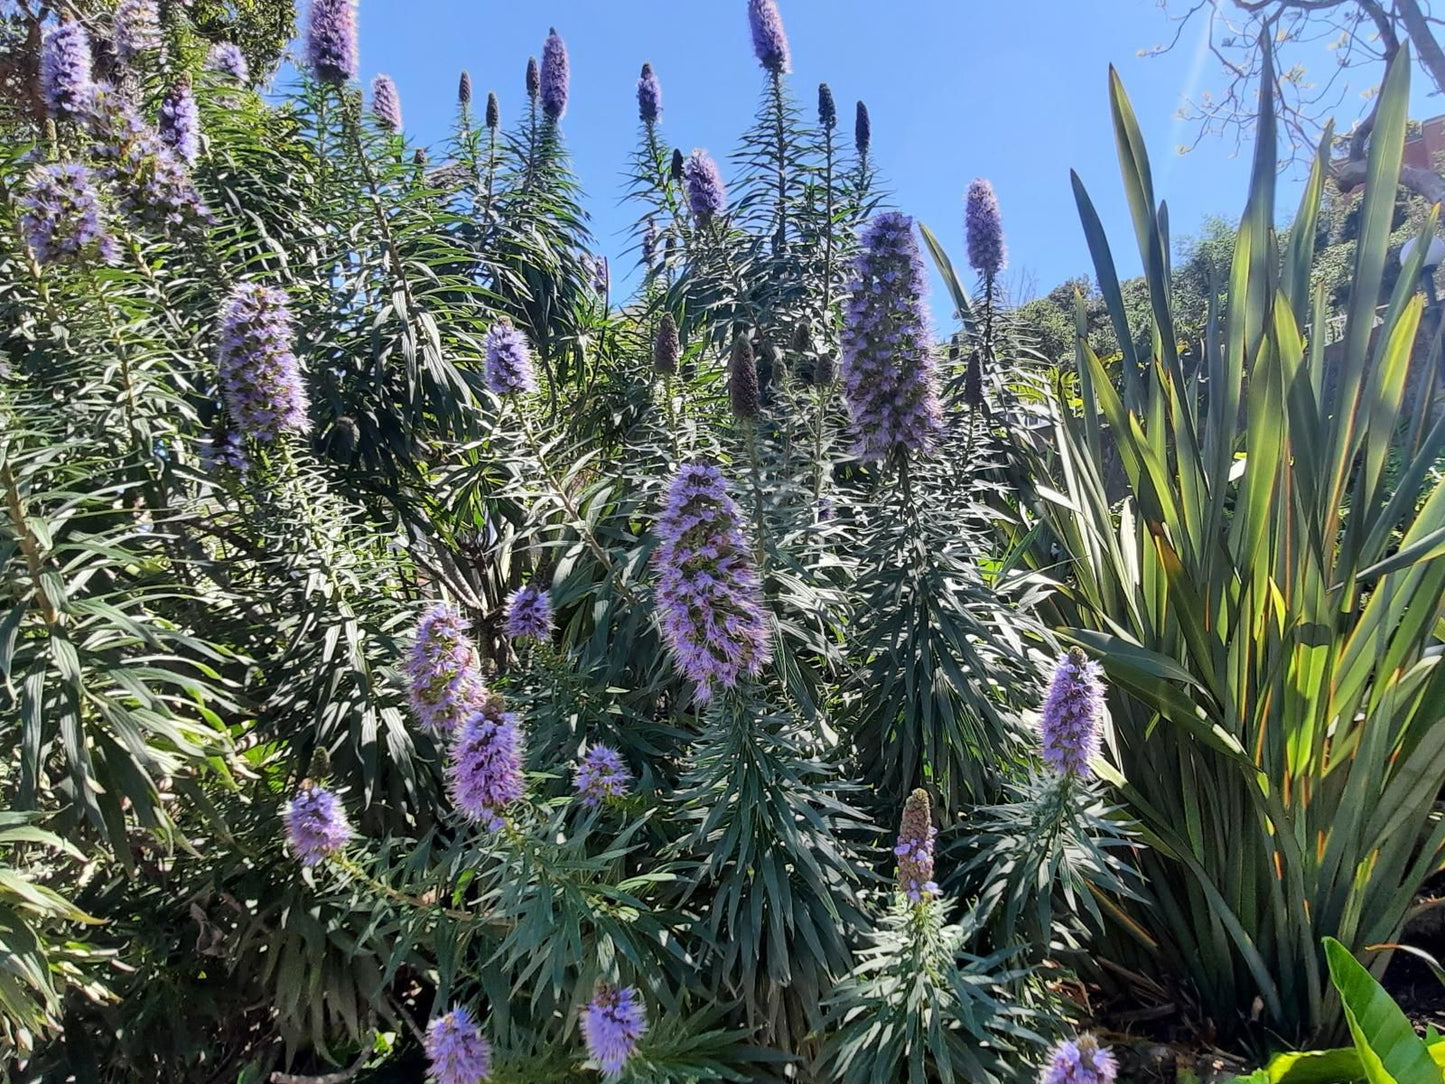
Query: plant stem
(28, 543)
(397, 896)
(750, 436)
(780, 237)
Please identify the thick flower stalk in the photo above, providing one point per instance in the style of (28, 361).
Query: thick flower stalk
(509, 360)
(707, 196)
(529, 614)
(136, 29)
(331, 47)
(443, 671)
(1079, 1061)
(708, 595)
(914, 851)
(743, 390)
(770, 42)
(316, 824)
(386, 103)
(65, 79)
(600, 776)
(534, 79)
(649, 96)
(1073, 715)
(227, 58)
(62, 216)
(464, 89)
(456, 1050)
(179, 124)
(984, 226)
(827, 108)
(156, 192)
(484, 773)
(888, 372)
(862, 132)
(666, 347)
(612, 1023)
(556, 76)
(494, 111)
(259, 375)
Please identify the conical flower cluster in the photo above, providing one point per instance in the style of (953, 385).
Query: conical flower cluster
(1079, 1061)
(914, 851)
(464, 89)
(316, 824)
(666, 347)
(983, 226)
(156, 192)
(827, 108)
(386, 103)
(707, 196)
(600, 776)
(228, 59)
(534, 78)
(331, 48)
(556, 76)
(65, 78)
(649, 96)
(259, 376)
(1073, 714)
(862, 131)
(529, 614)
(179, 124)
(62, 216)
(708, 596)
(770, 42)
(443, 671)
(888, 372)
(456, 1050)
(135, 29)
(612, 1023)
(743, 391)
(509, 360)
(494, 111)
(484, 774)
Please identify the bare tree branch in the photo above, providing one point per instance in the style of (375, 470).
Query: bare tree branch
(1423, 182)
(1427, 48)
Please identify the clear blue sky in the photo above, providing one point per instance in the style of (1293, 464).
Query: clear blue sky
(1014, 91)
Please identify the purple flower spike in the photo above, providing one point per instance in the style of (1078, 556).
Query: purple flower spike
(556, 76)
(331, 49)
(888, 375)
(65, 72)
(316, 824)
(464, 89)
(770, 43)
(666, 347)
(862, 131)
(259, 376)
(827, 108)
(156, 192)
(600, 776)
(386, 103)
(136, 29)
(180, 123)
(915, 848)
(484, 774)
(494, 111)
(62, 217)
(529, 614)
(456, 1051)
(649, 96)
(707, 196)
(708, 596)
(984, 227)
(509, 361)
(612, 1023)
(443, 671)
(226, 58)
(1073, 714)
(1079, 1061)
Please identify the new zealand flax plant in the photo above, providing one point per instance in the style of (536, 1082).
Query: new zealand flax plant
(1265, 589)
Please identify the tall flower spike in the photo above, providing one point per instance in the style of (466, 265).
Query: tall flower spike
(1073, 714)
(915, 848)
(316, 824)
(456, 1051)
(259, 376)
(534, 78)
(65, 77)
(862, 131)
(770, 43)
(484, 773)
(649, 96)
(676, 169)
(827, 108)
(156, 193)
(136, 29)
(707, 196)
(228, 59)
(612, 1023)
(331, 49)
(1079, 1061)
(556, 76)
(743, 380)
(709, 599)
(62, 216)
(984, 226)
(600, 776)
(666, 348)
(888, 372)
(529, 614)
(494, 111)
(825, 370)
(386, 103)
(464, 89)
(443, 671)
(179, 123)
(509, 360)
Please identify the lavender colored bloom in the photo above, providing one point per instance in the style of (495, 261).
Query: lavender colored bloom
(224, 450)
(1073, 714)
(136, 29)
(706, 193)
(556, 76)
(1079, 1061)
(456, 1050)
(331, 48)
(179, 125)
(827, 108)
(484, 774)
(259, 376)
(156, 193)
(228, 59)
(770, 43)
(612, 1023)
(494, 111)
(443, 671)
(708, 595)
(534, 79)
(316, 824)
(509, 360)
(464, 89)
(888, 373)
(65, 77)
(62, 217)
(649, 96)
(984, 227)
(862, 131)
(743, 390)
(386, 103)
(599, 274)
(666, 348)
(915, 848)
(600, 776)
(529, 614)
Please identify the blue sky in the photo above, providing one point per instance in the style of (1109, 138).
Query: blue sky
(1013, 91)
